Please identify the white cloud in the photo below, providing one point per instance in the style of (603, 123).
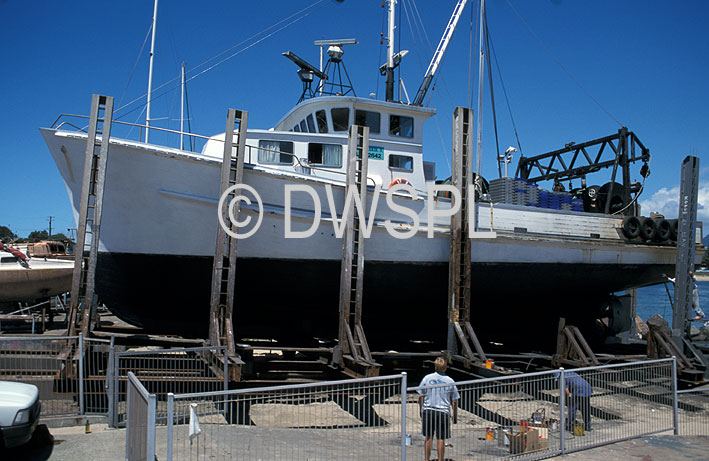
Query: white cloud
(666, 201)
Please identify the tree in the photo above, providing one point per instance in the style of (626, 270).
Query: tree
(6, 235)
(61, 237)
(705, 260)
(36, 236)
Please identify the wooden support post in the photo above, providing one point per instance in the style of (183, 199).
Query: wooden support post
(352, 352)
(221, 328)
(459, 268)
(685, 247)
(89, 226)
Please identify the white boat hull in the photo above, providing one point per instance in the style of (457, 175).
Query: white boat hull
(158, 236)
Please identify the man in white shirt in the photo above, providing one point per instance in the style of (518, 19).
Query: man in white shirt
(437, 395)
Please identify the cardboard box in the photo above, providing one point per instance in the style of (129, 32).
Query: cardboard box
(531, 440)
(537, 439)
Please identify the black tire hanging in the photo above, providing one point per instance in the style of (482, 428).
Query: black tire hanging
(631, 227)
(663, 229)
(647, 229)
(673, 228)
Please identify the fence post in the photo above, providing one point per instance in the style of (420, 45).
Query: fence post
(109, 383)
(170, 423)
(403, 416)
(225, 357)
(675, 416)
(562, 409)
(81, 373)
(152, 406)
(116, 387)
(128, 425)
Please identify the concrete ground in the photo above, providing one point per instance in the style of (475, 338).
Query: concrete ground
(104, 443)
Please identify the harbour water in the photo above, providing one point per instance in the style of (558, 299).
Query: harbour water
(654, 300)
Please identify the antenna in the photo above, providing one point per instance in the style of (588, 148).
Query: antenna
(336, 83)
(306, 73)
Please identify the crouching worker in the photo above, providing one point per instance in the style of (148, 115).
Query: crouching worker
(435, 407)
(578, 398)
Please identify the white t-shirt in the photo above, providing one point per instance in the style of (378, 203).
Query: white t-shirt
(438, 398)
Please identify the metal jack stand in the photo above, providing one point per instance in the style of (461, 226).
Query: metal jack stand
(352, 352)
(459, 273)
(221, 329)
(87, 234)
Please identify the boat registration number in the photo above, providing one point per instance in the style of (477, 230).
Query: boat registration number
(376, 152)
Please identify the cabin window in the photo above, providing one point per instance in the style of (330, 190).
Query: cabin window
(325, 154)
(400, 125)
(276, 152)
(321, 118)
(368, 118)
(303, 126)
(401, 162)
(340, 119)
(8, 259)
(296, 128)
(311, 123)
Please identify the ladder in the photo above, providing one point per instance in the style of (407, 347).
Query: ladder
(221, 329)
(352, 352)
(459, 269)
(87, 234)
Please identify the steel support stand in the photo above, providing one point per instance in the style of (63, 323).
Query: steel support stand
(88, 229)
(352, 352)
(221, 329)
(459, 269)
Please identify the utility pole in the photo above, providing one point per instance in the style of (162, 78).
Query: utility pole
(50, 227)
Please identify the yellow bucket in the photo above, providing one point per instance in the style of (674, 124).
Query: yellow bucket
(578, 430)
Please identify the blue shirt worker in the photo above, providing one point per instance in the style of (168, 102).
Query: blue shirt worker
(578, 397)
(435, 402)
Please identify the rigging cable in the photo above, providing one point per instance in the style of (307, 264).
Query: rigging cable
(137, 59)
(306, 14)
(548, 50)
(492, 92)
(507, 100)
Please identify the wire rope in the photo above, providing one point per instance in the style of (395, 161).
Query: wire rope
(558, 62)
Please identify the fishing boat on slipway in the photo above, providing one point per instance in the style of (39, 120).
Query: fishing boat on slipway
(160, 216)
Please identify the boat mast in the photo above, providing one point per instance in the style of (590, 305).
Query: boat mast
(390, 54)
(481, 68)
(182, 107)
(440, 51)
(150, 73)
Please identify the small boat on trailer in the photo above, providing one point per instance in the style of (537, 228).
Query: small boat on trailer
(27, 279)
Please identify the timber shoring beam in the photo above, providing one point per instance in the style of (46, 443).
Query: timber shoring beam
(221, 328)
(352, 353)
(89, 226)
(459, 268)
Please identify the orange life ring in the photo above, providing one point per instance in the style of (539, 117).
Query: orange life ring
(399, 181)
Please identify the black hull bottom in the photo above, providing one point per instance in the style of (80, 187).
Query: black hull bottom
(297, 301)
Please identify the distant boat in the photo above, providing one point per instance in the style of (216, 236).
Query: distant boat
(26, 279)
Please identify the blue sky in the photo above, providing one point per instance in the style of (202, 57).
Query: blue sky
(645, 62)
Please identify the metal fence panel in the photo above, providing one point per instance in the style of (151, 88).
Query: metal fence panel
(140, 427)
(629, 400)
(497, 418)
(693, 409)
(343, 420)
(50, 363)
(163, 371)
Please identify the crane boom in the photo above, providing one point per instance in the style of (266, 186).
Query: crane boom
(438, 55)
